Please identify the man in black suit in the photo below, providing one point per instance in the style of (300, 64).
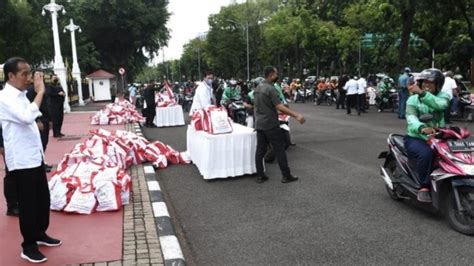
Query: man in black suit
(56, 96)
(150, 111)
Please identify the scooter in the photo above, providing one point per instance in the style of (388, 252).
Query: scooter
(452, 179)
(387, 100)
(188, 102)
(238, 112)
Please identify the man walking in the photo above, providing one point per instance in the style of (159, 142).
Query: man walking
(24, 155)
(267, 105)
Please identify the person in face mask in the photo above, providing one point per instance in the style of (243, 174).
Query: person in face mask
(203, 96)
(267, 104)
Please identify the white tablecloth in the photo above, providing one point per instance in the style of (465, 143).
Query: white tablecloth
(225, 155)
(169, 116)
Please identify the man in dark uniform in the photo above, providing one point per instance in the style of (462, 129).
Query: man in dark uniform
(149, 112)
(56, 95)
(42, 121)
(267, 105)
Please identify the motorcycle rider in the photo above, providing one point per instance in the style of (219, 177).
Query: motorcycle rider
(384, 89)
(230, 94)
(450, 87)
(426, 98)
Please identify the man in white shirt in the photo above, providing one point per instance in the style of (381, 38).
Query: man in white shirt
(450, 88)
(203, 95)
(351, 88)
(24, 155)
(361, 90)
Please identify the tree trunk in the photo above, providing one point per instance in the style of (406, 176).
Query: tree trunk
(407, 11)
(463, 8)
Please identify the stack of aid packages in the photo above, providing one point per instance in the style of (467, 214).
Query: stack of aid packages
(118, 113)
(165, 98)
(212, 119)
(93, 177)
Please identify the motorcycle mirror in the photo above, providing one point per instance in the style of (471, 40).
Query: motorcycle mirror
(426, 118)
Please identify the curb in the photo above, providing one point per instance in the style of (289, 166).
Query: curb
(170, 247)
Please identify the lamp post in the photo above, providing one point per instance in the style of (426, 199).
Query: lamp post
(246, 27)
(76, 72)
(59, 68)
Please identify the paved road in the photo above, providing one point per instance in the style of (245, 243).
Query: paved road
(337, 213)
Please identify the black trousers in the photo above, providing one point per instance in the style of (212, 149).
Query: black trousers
(34, 201)
(341, 100)
(351, 102)
(275, 137)
(44, 134)
(361, 102)
(56, 113)
(149, 113)
(10, 190)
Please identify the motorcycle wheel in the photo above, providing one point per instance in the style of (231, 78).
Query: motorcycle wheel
(240, 119)
(462, 222)
(329, 101)
(392, 167)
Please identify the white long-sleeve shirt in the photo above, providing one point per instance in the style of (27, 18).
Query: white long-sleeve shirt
(21, 137)
(351, 87)
(202, 97)
(361, 85)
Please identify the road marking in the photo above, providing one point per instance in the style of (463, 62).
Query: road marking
(149, 169)
(160, 209)
(153, 186)
(170, 247)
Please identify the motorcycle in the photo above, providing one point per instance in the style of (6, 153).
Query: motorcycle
(464, 100)
(300, 95)
(187, 102)
(238, 112)
(452, 178)
(330, 97)
(387, 100)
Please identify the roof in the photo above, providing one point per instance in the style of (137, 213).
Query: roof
(100, 74)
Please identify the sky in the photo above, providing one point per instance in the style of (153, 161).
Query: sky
(188, 19)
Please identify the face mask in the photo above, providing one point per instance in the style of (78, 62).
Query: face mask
(209, 82)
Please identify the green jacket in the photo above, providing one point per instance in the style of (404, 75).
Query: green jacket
(230, 94)
(280, 92)
(428, 104)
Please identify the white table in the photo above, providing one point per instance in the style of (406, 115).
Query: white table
(169, 116)
(225, 155)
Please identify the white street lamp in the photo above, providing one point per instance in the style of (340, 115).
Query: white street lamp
(76, 72)
(59, 68)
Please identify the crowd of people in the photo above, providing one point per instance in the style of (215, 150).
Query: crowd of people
(29, 109)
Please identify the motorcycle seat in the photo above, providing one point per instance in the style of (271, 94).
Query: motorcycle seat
(397, 140)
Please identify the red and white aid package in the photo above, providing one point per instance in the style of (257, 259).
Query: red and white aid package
(197, 119)
(108, 196)
(219, 121)
(125, 181)
(81, 202)
(58, 193)
(184, 157)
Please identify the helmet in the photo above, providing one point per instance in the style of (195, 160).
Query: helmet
(257, 81)
(407, 69)
(434, 75)
(232, 82)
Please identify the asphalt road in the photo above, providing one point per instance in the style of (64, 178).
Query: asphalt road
(337, 213)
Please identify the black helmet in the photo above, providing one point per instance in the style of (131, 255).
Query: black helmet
(434, 75)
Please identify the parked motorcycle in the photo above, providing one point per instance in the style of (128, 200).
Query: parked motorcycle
(452, 179)
(300, 95)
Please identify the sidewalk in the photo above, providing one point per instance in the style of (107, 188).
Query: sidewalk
(133, 240)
